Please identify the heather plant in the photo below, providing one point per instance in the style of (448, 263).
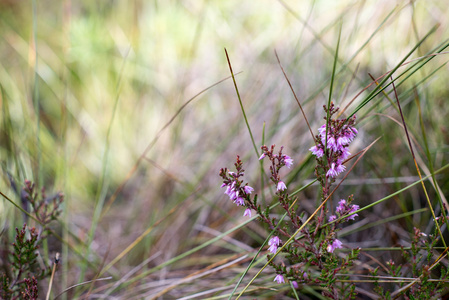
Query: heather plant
(305, 250)
(21, 270)
(417, 268)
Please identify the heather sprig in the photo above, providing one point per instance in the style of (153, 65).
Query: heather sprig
(22, 273)
(20, 280)
(45, 209)
(417, 264)
(238, 192)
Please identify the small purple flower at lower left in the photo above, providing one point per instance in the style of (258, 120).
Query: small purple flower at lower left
(344, 208)
(353, 209)
(239, 201)
(274, 243)
(279, 278)
(281, 186)
(341, 206)
(247, 212)
(248, 189)
(334, 245)
(288, 161)
(238, 191)
(317, 151)
(335, 169)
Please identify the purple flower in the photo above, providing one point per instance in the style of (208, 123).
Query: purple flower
(318, 152)
(342, 141)
(332, 218)
(228, 190)
(231, 193)
(305, 276)
(353, 209)
(352, 217)
(335, 169)
(273, 243)
(335, 244)
(295, 284)
(288, 161)
(344, 208)
(322, 130)
(281, 186)
(344, 155)
(332, 172)
(341, 206)
(350, 133)
(340, 168)
(262, 156)
(331, 144)
(279, 278)
(239, 201)
(247, 212)
(248, 189)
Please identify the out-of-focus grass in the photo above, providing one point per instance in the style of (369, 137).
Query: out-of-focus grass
(110, 75)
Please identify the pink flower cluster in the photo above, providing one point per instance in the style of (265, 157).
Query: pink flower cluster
(343, 209)
(338, 139)
(284, 159)
(236, 192)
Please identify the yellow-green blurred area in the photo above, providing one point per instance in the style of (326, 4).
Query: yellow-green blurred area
(93, 98)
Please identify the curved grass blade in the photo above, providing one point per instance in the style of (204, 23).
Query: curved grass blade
(241, 104)
(417, 167)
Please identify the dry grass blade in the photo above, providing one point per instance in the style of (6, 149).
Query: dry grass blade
(416, 165)
(80, 284)
(241, 103)
(216, 267)
(140, 238)
(294, 94)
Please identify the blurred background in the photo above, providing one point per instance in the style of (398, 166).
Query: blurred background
(128, 109)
